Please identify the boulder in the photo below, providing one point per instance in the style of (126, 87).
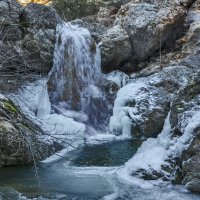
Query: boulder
(150, 26)
(140, 110)
(27, 36)
(115, 48)
(39, 16)
(21, 141)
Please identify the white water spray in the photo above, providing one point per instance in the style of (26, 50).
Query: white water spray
(76, 66)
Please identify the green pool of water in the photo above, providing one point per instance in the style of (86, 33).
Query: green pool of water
(74, 180)
(65, 178)
(108, 154)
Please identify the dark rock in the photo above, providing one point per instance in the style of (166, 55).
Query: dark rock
(115, 48)
(186, 101)
(39, 16)
(20, 139)
(27, 38)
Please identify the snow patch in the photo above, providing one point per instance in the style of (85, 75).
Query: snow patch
(2, 97)
(65, 130)
(120, 78)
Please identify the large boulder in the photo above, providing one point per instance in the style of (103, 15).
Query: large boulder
(150, 26)
(21, 141)
(115, 48)
(27, 37)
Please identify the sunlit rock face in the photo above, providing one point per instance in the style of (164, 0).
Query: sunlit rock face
(25, 2)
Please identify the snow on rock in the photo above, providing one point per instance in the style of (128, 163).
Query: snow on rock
(152, 154)
(120, 78)
(64, 130)
(157, 156)
(188, 126)
(171, 78)
(33, 99)
(137, 108)
(2, 97)
(142, 106)
(30, 96)
(155, 152)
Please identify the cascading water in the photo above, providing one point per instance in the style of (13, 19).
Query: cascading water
(75, 79)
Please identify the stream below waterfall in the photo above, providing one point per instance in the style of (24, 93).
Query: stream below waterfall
(72, 175)
(88, 173)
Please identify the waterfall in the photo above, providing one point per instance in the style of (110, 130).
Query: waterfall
(75, 79)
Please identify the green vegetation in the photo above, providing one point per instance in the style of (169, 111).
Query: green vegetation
(10, 106)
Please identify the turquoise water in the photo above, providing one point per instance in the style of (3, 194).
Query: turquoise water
(86, 175)
(54, 181)
(107, 154)
(63, 178)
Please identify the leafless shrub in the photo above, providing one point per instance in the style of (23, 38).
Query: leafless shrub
(25, 53)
